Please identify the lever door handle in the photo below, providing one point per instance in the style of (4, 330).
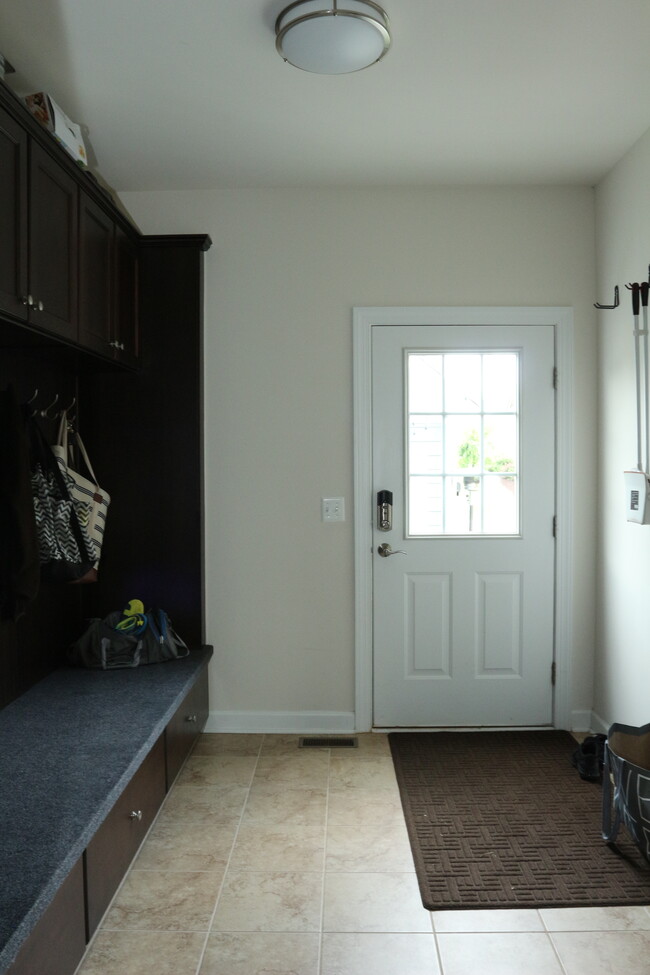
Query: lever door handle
(385, 550)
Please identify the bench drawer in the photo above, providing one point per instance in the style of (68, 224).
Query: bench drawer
(117, 840)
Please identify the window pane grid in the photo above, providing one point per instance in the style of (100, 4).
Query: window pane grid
(462, 443)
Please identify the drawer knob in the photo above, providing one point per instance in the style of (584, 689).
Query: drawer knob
(191, 718)
(136, 814)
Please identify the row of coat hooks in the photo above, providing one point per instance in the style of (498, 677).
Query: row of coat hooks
(45, 412)
(630, 287)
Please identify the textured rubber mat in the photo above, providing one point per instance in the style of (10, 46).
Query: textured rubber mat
(503, 820)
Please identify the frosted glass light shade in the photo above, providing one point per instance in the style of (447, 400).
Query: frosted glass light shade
(330, 39)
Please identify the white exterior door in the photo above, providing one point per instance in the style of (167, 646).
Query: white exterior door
(463, 420)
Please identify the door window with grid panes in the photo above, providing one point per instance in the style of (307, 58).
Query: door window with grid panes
(462, 443)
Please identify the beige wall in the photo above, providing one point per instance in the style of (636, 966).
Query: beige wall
(623, 645)
(284, 273)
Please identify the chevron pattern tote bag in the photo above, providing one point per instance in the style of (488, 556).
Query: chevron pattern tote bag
(66, 551)
(91, 501)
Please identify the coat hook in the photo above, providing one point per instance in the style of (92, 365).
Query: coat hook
(616, 299)
(45, 413)
(68, 408)
(32, 398)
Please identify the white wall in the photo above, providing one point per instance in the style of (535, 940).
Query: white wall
(623, 625)
(285, 271)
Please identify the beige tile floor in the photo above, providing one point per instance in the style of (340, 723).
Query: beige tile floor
(267, 859)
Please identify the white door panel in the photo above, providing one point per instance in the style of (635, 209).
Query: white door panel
(463, 621)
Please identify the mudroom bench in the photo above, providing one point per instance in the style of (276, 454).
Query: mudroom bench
(86, 758)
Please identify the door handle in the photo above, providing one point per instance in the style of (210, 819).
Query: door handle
(385, 550)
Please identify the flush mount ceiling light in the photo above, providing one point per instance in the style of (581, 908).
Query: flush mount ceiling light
(327, 38)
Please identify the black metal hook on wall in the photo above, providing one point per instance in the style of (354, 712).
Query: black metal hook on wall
(616, 300)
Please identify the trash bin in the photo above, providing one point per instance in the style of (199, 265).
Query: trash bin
(626, 785)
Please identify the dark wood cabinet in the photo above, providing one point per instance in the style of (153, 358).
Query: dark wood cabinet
(13, 217)
(38, 234)
(57, 943)
(53, 245)
(126, 325)
(116, 842)
(185, 727)
(96, 276)
(108, 285)
(68, 257)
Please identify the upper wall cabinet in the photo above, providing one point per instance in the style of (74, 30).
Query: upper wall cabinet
(68, 258)
(125, 336)
(13, 217)
(38, 235)
(53, 246)
(108, 275)
(96, 261)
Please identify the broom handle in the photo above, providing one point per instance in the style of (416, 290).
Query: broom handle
(644, 304)
(637, 362)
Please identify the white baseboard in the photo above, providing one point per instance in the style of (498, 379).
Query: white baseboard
(588, 721)
(598, 725)
(281, 722)
(332, 722)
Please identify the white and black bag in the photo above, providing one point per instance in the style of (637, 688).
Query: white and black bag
(91, 501)
(66, 551)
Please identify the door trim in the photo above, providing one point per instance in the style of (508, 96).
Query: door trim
(363, 320)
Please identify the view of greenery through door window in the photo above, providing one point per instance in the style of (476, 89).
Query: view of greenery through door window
(463, 443)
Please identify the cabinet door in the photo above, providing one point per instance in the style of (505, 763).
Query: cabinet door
(13, 217)
(58, 941)
(53, 235)
(186, 725)
(96, 277)
(126, 325)
(116, 842)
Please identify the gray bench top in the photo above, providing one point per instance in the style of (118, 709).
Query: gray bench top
(68, 747)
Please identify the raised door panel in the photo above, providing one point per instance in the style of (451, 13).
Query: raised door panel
(116, 842)
(13, 217)
(58, 941)
(96, 277)
(53, 245)
(186, 725)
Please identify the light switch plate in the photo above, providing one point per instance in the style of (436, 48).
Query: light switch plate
(333, 509)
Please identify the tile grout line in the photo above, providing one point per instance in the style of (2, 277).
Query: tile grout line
(227, 867)
(549, 935)
(319, 963)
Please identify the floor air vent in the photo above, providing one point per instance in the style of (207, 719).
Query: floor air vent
(324, 742)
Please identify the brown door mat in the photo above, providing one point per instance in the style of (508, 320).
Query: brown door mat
(501, 819)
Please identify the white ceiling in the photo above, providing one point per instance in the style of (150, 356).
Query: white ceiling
(178, 94)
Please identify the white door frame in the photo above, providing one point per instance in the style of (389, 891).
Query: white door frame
(362, 322)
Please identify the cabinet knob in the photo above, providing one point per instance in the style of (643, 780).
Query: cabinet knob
(27, 300)
(191, 718)
(39, 305)
(136, 814)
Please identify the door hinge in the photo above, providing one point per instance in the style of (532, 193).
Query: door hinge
(554, 526)
(555, 378)
(553, 672)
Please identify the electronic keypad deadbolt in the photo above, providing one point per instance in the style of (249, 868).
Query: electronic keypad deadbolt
(384, 511)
